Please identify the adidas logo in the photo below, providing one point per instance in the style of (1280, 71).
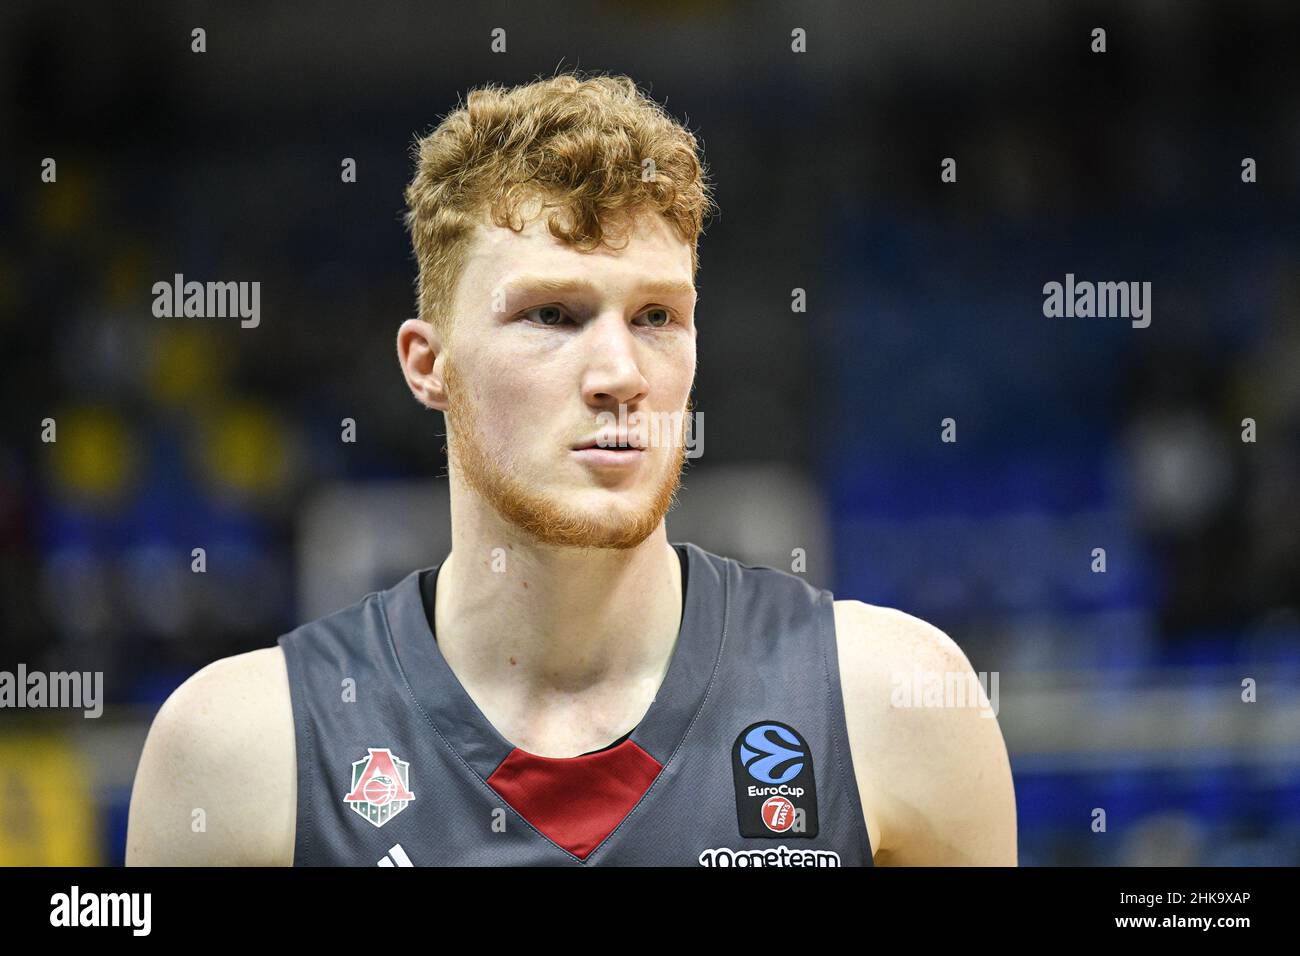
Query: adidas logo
(396, 856)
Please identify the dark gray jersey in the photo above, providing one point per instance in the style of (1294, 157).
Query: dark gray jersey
(741, 760)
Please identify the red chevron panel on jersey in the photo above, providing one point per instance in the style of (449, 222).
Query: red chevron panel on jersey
(576, 801)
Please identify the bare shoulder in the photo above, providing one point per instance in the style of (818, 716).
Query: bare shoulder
(217, 781)
(929, 756)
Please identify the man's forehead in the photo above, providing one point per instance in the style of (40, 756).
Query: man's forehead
(650, 250)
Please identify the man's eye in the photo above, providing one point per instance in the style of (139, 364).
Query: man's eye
(548, 314)
(658, 317)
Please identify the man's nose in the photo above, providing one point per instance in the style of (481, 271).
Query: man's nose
(613, 374)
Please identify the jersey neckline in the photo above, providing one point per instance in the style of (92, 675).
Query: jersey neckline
(428, 595)
(454, 715)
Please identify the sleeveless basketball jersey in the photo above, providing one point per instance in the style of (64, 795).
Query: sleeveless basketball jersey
(742, 758)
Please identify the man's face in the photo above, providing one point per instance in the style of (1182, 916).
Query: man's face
(546, 338)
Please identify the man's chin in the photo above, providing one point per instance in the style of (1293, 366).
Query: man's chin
(605, 527)
(567, 515)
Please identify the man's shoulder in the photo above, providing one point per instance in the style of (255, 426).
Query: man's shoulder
(246, 678)
(216, 782)
(888, 660)
(241, 688)
(878, 648)
(875, 641)
(910, 692)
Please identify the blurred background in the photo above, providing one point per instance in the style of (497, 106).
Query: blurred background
(1120, 690)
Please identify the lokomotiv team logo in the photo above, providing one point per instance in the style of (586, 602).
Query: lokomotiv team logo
(380, 786)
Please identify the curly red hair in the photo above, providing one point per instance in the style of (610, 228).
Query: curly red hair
(580, 143)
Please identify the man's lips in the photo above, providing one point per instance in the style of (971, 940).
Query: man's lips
(610, 451)
(611, 442)
(612, 458)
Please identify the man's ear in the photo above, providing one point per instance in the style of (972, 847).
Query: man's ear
(422, 356)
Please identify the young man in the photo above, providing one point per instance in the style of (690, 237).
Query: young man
(567, 686)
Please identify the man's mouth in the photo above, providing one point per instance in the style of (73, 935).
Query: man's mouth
(610, 452)
(611, 442)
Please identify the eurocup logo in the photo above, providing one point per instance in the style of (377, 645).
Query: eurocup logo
(776, 792)
(772, 761)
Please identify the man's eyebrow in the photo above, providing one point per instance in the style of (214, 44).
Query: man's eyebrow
(550, 285)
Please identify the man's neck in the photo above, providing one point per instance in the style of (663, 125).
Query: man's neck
(562, 649)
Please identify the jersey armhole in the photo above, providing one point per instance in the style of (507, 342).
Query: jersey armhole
(838, 722)
(303, 749)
